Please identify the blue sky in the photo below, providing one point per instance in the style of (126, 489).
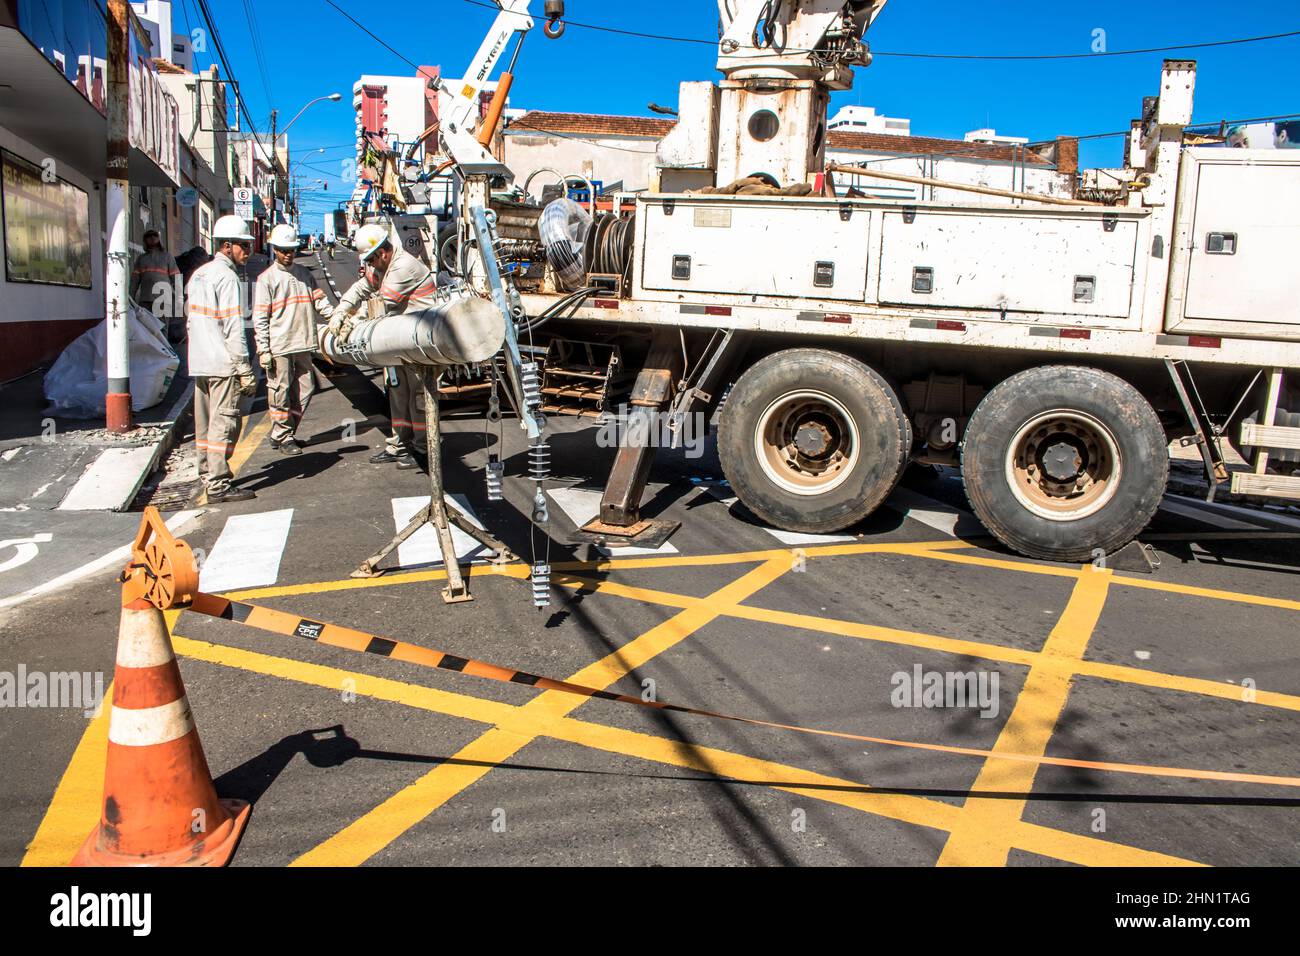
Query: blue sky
(311, 50)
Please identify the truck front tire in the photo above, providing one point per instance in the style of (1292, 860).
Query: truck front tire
(812, 440)
(1064, 463)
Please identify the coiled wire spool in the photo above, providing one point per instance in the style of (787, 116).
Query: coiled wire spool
(541, 582)
(609, 243)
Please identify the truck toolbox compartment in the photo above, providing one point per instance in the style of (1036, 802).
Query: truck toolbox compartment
(1018, 263)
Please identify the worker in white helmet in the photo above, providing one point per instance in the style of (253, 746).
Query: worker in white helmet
(286, 301)
(402, 283)
(218, 356)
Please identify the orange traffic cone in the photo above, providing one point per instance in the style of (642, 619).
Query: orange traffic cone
(160, 807)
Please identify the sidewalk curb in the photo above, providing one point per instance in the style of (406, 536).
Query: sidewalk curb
(163, 446)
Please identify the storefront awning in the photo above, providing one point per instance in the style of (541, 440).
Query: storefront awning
(38, 104)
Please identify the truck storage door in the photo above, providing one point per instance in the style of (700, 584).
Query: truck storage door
(1029, 262)
(810, 248)
(1241, 253)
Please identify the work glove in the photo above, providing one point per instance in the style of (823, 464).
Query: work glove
(267, 361)
(341, 327)
(248, 385)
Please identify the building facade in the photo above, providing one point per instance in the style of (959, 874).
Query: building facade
(53, 131)
(620, 151)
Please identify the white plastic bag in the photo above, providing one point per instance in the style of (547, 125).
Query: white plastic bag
(562, 228)
(76, 383)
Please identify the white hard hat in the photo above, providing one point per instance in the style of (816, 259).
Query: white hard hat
(369, 238)
(231, 228)
(283, 237)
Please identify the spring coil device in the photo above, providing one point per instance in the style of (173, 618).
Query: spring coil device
(539, 471)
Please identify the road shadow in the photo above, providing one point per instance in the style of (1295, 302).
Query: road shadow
(284, 468)
(331, 747)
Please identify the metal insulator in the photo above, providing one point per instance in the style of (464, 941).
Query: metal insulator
(539, 461)
(531, 381)
(541, 513)
(541, 581)
(496, 470)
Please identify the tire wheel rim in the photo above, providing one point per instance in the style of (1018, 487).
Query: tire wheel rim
(807, 442)
(1064, 465)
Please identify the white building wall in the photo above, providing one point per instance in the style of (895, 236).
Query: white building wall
(405, 99)
(865, 119)
(609, 159)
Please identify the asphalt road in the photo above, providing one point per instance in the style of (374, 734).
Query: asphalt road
(358, 759)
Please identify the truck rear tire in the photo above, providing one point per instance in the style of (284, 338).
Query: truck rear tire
(1062, 462)
(812, 440)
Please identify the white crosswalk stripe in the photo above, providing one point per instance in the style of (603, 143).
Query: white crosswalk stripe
(581, 505)
(929, 511)
(422, 547)
(945, 518)
(247, 553)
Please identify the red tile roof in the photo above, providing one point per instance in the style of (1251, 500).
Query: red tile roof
(646, 127)
(923, 145)
(591, 124)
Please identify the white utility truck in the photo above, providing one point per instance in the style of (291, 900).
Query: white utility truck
(1049, 349)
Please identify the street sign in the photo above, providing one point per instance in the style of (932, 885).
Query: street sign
(187, 197)
(244, 203)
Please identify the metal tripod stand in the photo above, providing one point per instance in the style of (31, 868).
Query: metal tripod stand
(437, 512)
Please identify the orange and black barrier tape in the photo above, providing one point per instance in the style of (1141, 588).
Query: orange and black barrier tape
(290, 625)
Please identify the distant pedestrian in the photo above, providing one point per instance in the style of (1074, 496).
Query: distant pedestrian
(218, 356)
(153, 282)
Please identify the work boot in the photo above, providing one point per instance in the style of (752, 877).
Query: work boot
(407, 462)
(287, 447)
(383, 457)
(231, 495)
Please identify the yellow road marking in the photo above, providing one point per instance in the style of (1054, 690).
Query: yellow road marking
(521, 570)
(1118, 673)
(1211, 593)
(373, 831)
(248, 443)
(981, 838)
(69, 817)
(1087, 850)
(74, 809)
(906, 808)
(939, 554)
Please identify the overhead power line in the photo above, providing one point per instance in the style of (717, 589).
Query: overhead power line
(366, 30)
(258, 53)
(241, 106)
(619, 31)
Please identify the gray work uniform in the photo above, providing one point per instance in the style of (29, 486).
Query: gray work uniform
(218, 356)
(408, 286)
(154, 287)
(285, 305)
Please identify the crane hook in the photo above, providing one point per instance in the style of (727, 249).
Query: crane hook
(554, 27)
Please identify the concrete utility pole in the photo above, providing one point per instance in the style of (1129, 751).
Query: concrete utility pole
(117, 272)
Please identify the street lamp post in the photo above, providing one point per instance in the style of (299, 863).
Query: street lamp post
(275, 155)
